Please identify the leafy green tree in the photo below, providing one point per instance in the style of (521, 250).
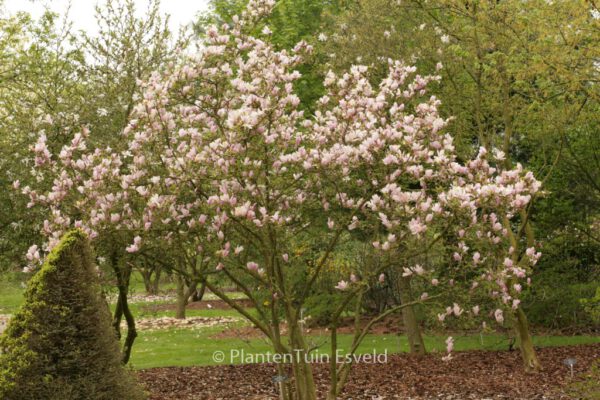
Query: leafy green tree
(62, 82)
(291, 22)
(515, 78)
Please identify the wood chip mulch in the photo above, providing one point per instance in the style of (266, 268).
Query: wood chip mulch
(469, 375)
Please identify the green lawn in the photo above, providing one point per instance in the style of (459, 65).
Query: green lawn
(11, 297)
(187, 347)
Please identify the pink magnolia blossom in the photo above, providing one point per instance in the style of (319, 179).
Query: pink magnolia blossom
(499, 315)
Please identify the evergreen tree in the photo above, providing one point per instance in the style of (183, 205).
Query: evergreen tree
(60, 344)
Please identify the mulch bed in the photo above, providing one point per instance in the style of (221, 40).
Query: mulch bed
(470, 375)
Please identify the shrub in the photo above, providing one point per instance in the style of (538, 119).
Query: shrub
(559, 307)
(592, 306)
(320, 308)
(60, 344)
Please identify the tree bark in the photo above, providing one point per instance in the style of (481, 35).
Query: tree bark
(409, 317)
(304, 380)
(147, 277)
(530, 359)
(155, 284)
(198, 293)
(182, 298)
(123, 275)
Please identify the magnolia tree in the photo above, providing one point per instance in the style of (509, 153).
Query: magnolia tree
(225, 172)
(127, 49)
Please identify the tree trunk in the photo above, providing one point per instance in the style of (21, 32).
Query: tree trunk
(131, 330)
(409, 317)
(530, 360)
(155, 285)
(198, 293)
(304, 381)
(182, 298)
(123, 275)
(147, 276)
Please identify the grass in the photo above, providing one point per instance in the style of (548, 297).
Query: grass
(189, 347)
(11, 297)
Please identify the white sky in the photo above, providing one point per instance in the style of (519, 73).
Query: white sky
(182, 12)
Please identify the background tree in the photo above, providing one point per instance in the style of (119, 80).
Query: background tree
(66, 81)
(517, 79)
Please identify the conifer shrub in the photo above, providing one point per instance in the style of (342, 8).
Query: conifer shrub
(60, 344)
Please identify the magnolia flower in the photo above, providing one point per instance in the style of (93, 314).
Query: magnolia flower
(449, 344)
(416, 226)
(244, 211)
(515, 304)
(499, 315)
(530, 252)
(135, 247)
(457, 310)
(517, 287)
(381, 278)
(353, 224)
(475, 310)
(252, 266)
(330, 223)
(499, 154)
(418, 269)
(342, 285)
(33, 253)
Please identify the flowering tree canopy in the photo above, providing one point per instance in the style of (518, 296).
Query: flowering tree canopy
(222, 164)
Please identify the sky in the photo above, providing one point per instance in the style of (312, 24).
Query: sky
(82, 11)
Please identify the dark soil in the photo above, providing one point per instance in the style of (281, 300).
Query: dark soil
(469, 375)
